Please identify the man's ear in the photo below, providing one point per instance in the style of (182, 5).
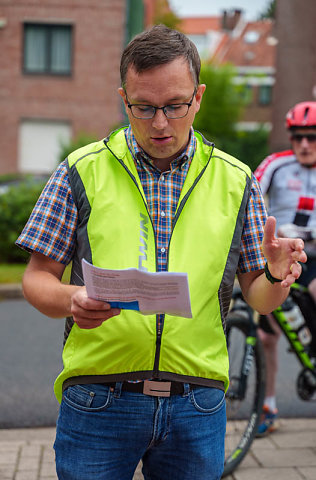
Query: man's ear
(199, 94)
(121, 92)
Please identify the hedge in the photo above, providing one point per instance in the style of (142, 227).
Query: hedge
(16, 204)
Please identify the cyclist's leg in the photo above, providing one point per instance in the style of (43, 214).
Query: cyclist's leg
(269, 333)
(308, 279)
(312, 289)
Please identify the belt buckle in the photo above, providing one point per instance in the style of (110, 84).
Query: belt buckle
(157, 389)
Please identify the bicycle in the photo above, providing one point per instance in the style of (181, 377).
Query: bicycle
(245, 395)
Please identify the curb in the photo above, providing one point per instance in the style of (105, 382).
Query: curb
(10, 291)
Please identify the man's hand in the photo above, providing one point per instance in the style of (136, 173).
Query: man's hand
(89, 313)
(282, 254)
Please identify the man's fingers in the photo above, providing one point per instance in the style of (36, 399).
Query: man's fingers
(287, 282)
(297, 244)
(87, 303)
(89, 313)
(269, 229)
(296, 269)
(87, 323)
(82, 312)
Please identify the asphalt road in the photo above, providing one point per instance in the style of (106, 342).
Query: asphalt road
(30, 360)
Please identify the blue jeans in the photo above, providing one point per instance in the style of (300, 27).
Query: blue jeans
(103, 433)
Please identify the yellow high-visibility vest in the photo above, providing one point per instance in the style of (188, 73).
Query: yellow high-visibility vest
(115, 231)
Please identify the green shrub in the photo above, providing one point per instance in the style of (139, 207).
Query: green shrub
(250, 147)
(81, 140)
(222, 103)
(11, 272)
(221, 109)
(16, 205)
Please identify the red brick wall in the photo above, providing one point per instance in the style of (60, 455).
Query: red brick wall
(296, 63)
(88, 98)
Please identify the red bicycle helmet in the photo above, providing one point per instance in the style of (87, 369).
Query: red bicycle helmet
(301, 115)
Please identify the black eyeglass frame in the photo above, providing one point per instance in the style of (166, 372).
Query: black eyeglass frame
(298, 137)
(154, 109)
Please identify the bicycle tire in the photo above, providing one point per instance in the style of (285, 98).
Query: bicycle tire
(243, 415)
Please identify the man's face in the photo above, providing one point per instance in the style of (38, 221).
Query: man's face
(304, 148)
(160, 137)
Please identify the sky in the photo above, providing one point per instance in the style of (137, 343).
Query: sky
(251, 8)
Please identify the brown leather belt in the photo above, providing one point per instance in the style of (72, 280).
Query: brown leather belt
(154, 388)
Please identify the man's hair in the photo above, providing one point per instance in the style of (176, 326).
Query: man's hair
(158, 46)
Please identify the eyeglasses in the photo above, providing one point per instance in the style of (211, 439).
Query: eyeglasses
(298, 137)
(174, 110)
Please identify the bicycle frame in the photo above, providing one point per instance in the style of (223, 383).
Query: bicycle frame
(242, 309)
(291, 335)
(244, 397)
(247, 389)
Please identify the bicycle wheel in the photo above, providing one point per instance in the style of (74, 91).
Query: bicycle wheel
(245, 395)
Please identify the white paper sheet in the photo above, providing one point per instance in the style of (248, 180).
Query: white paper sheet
(159, 292)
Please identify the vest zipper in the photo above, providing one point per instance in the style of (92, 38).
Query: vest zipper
(183, 201)
(158, 346)
(158, 328)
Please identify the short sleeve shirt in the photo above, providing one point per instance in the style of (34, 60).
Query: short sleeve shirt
(51, 228)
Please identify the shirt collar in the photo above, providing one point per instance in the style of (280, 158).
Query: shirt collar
(140, 156)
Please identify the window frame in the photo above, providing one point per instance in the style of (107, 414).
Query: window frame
(49, 27)
(261, 97)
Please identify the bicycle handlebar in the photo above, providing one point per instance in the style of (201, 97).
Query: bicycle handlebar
(291, 230)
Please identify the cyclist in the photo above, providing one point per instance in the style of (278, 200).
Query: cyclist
(288, 180)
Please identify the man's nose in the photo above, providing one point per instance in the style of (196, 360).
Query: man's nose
(305, 142)
(159, 120)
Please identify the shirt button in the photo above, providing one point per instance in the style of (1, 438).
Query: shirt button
(163, 250)
(162, 177)
(163, 214)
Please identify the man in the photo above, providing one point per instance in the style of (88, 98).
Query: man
(288, 179)
(138, 387)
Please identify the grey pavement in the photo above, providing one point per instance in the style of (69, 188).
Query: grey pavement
(10, 290)
(287, 454)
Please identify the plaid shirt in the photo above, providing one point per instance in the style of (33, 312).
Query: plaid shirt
(51, 228)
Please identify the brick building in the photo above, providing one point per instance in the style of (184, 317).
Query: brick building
(58, 77)
(250, 47)
(295, 63)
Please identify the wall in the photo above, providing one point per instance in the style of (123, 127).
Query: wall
(87, 99)
(295, 64)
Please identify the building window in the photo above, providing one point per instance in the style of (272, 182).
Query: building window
(47, 49)
(41, 157)
(246, 94)
(251, 36)
(265, 94)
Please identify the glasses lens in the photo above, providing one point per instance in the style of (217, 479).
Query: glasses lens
(310, 137)
(176, 110)
(142, 111)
